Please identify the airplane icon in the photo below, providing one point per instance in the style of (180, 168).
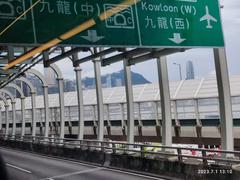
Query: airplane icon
(207, 17)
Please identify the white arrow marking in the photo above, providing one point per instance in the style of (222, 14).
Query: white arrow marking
(92, 36)
(177, 38)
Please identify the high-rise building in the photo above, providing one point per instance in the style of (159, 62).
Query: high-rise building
(189, 70)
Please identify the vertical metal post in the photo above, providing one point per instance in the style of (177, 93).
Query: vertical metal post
(100, 107)
(108, 120)
(130, 103)
(123, 119)
(226, 118)
(7, 120)
(46, 107)
(196, 107)
(10, 53)
(78, 72)
(155, 109)
(23, 117)
(13, 118)
(175, 113)
(140, 124)
(177, 127)
(0, 118)
(165, 101)
(33, 99)
(61, 101)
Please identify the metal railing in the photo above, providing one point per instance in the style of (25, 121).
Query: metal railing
(205, 156)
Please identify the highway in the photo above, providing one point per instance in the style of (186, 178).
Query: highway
(28, 166)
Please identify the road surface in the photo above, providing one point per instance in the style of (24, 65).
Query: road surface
(28, 166)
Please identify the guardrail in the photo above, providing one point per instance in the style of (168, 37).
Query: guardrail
(142, 150)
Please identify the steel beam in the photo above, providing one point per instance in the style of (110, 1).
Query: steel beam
(67, 54)
(13, 102)
(130, 103)
(100, 107)
(12, 85)
(152, 54)
(125, 54)
(1, 119)
(7, 120)
(165, 101)
(61, 101)
(78, 72)
(225, 104)
(76, 62)
(45, 98)
(61, 98)
(23, 116)
(13, 118)
(33, 103)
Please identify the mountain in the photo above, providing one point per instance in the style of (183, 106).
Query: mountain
(115, 79)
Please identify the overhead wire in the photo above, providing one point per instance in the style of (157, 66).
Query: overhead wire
(19, 17)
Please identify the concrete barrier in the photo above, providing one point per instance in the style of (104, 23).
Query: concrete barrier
(162, 166)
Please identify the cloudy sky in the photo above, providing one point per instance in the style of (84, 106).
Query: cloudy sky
(201, 58)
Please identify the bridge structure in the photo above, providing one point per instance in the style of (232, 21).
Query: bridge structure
(114, 127)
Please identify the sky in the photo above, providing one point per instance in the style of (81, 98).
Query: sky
(202, 58)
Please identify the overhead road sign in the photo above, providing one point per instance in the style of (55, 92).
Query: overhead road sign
(149, 23)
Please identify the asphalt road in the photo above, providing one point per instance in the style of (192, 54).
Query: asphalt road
(28, 166)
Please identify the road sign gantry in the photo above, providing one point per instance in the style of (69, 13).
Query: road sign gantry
(148, 23)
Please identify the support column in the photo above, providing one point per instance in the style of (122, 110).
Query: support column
(13, 119)
(61, 101)
(69, 121)
(100, 107)
(123, 119)
(158, 125)
(46, 107)
(78, 72)
(165, 101)
(177, 127)
(23, 117)
(7, 120)
(0, 118)
(33, 99)
(108, 120)
(140, 124)
(226, 118)
(129, 99)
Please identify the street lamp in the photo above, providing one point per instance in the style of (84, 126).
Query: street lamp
(180, 69)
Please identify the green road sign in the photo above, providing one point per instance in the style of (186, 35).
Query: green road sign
(149, 23)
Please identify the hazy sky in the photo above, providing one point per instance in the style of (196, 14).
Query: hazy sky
(202, 58)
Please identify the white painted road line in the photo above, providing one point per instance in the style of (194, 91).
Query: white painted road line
(74, 173)
(18, 168)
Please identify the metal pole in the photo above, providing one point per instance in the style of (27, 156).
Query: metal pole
(33, 98)
(7, 120)
(225, 105)
(100, 107)
(61, 101)
(123, 119)
(0, 118)
(13, 118)
(130, 103)
(46, 107)
(176, 113)
(165, 101)
(78, 72)
(196, 107)
(23, 117)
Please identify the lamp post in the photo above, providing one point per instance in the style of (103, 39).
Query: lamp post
(180, 69)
